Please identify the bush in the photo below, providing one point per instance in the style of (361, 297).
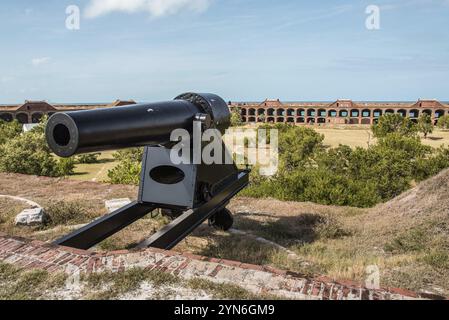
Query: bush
(443, 122)
(393, 123)
(88, 158)
(67, 213)
(29, 153)
(9, 130)
(236, 118)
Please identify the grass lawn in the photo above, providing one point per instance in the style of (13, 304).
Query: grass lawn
(95, 171)
(361, 137)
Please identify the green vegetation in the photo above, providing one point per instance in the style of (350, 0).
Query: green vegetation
(425, 125)
(236, 118)
(88, 158)
(67, 213)
(28, 153)
(129, 165)
(443, 122)
(18, 284)
(360, 177)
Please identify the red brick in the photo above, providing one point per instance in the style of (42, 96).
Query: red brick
(251, 267)
(231, 263)
(403, 292)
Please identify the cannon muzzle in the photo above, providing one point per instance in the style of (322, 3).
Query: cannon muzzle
(149, 124)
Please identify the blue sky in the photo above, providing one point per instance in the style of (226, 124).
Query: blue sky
(242, 50)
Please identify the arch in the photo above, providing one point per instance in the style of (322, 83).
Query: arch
(366, 113)
(260, 111)
(280, 119)
(343, 113)
(427, 111)
(244, 119)
(300, 120)
(270, 120)
(354, 121)
(36, 117)
(311, 113)
(321, 120)
(377, 113)
(22, 117)
(414, 113)
(355, 113)
(243, 111)
(332, 113)
(366, 121)
(270, 112)
(322, 113)
(291, 112)
(311, 120)
(402, 112)
(290, 120)
(439, 113)
(389, 111)
(6, 116)
(252, 119)
(252, 112)
(301, 112)
(280, 112)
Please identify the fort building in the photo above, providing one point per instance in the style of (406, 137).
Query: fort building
(33, 111)
(342, 111)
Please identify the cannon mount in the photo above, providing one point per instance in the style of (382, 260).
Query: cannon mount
(189, 193)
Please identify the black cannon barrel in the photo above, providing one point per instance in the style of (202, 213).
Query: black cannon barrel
(113, 128)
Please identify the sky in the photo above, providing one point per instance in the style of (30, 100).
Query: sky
(243, 50)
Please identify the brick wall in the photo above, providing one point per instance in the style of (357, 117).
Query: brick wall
(31, 254)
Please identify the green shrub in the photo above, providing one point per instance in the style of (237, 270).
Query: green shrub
(9, 130)
(28, 153)
(88, 158)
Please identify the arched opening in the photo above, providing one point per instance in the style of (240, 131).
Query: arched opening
(311, 112)
(366, 113)
(291, 112)
(366, 121)
(414, 113)
(280, 119)
(377, 113)
(439, 113)
(343, 113)
(252, 119)
(6, 117)
(332, 113)
(428, 112)
(36, 117)
(354, 121)
(389, 111)
(321, 120)
(243, 112)
(311, 120)
(301, 112)
(260, 112)
(243, 119)
(22, 118)
(280, 112)
(270, 112)
(300, 120)
(355, 113)
(402, 112)
(322, 113)
(290, 120)
(252, 112)
(270, 120)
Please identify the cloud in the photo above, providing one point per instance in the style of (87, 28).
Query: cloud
(40, 61)
(156, 8)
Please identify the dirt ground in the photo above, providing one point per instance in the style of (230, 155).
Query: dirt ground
(406, 240)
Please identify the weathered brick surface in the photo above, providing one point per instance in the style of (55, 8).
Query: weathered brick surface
(258, 279)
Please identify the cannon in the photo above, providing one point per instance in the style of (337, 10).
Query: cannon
(190, 192)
